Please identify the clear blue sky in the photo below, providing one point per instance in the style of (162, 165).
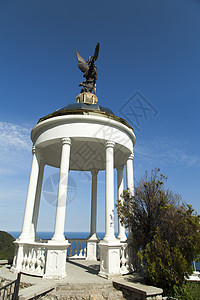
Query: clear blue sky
(149, 47)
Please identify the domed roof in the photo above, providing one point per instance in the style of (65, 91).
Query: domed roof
(84, 108)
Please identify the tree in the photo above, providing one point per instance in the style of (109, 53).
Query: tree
(6, 246)
(165, 232)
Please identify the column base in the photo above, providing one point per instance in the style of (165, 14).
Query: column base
(92, 248)
(93, 237)
(58, 242)
(56, 255)
(122, 237)
(109, 258)
(25, 239)
(58, 238)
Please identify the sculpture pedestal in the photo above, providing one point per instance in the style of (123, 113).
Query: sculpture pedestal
(109, 258)
(92, 248)
(56, 255)
(87, 98)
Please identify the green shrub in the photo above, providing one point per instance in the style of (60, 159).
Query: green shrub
(6, 245)
(188, 291)
(165, 233)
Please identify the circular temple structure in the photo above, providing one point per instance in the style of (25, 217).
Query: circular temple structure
(82, 137)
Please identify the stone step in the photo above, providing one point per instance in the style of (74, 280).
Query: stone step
(91, 294)
(3, 262)
(137, 290)
(35, 290)
(85, 286)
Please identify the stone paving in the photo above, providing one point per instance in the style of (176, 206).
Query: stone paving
(82, 282)
(79, 273)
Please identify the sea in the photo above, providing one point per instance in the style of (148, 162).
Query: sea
(46, 235)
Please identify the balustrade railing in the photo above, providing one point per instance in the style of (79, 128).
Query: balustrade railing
(34, 260)
(77, 249)
(33, 256)
(29, 258)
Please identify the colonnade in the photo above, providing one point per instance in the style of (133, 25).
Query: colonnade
(34, 194)
(109, 247)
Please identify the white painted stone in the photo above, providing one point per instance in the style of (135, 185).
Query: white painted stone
(56, 254)
(129, 174)
(109, 258)
(86, 131)
(28, 215)
(92, 249)
(93, 224)
(37, 202)
(109, 193)
(130, 187)
(18, 258)
(108, 143)
(62, 191)
(93, 240)
(121, 229)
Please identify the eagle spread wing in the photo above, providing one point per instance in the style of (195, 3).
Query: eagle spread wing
(96, 52)
(81, 63)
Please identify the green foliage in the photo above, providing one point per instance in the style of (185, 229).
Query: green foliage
(165, 232)
(166, 264)
(6, 245)
(187, 291)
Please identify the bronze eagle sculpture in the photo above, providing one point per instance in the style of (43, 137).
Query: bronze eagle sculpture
(89, 71)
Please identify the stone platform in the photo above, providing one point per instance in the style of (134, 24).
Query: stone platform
(82, 282)
(81, 274)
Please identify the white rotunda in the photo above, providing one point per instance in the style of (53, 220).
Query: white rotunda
(59, 140)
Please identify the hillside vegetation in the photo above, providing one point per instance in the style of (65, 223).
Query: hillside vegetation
(6, 245)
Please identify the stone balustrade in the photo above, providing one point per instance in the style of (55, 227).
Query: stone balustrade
(34, 260)
(77, 249)
(31, 260)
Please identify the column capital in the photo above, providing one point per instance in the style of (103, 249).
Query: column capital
(33, 150)
(131, 157)
(39, 154)
(94, 172)
(66, 140)
(110, 144)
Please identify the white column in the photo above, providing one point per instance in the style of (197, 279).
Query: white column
(62, 191)
(28, 214)
(109, 199)
(129, 174)
(130, 183)
(37, 200)
(92, 240)
(109, 247)
(93, 224)
(120, 183)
